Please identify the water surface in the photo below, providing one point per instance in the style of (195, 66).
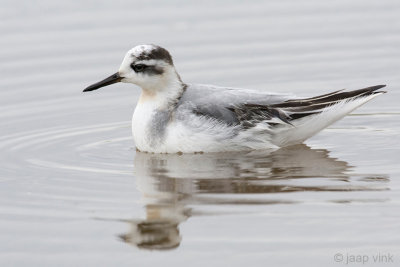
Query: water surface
(74, 192)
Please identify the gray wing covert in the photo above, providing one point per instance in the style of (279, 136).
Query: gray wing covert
(223, 103)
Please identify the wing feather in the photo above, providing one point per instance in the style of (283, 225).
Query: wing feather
(248, 108)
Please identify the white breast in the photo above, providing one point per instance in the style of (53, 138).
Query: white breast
(141, 120)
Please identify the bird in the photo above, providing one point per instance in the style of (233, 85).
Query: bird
(176, 117)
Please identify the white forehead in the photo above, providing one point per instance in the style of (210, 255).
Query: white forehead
(141, 49)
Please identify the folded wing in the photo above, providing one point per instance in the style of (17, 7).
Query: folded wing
(248, 108)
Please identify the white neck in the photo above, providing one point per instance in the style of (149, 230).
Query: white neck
(163, 91)
(153, 112)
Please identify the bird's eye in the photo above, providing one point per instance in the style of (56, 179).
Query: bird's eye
(138, 67)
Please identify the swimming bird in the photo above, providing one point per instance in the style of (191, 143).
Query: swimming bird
(175, 117)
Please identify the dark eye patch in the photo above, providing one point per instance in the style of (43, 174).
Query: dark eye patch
(148, 69)
(138, 67)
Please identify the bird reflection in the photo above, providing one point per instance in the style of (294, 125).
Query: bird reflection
(169, 183)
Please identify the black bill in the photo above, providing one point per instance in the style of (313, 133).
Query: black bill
(115, 78)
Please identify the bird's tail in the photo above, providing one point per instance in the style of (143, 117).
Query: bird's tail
(308, 116)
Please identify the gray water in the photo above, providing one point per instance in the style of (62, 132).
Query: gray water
(74, 192)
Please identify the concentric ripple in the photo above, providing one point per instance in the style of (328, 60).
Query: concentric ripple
(71, 149)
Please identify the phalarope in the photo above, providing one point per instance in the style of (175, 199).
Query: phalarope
(173, 117)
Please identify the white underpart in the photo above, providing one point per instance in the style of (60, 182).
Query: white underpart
(199, 134)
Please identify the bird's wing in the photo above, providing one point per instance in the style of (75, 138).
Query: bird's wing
(221, 103)
(248, 108)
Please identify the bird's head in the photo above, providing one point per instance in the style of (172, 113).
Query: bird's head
(148, 66)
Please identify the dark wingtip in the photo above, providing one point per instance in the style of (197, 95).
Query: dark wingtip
(375, 87)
